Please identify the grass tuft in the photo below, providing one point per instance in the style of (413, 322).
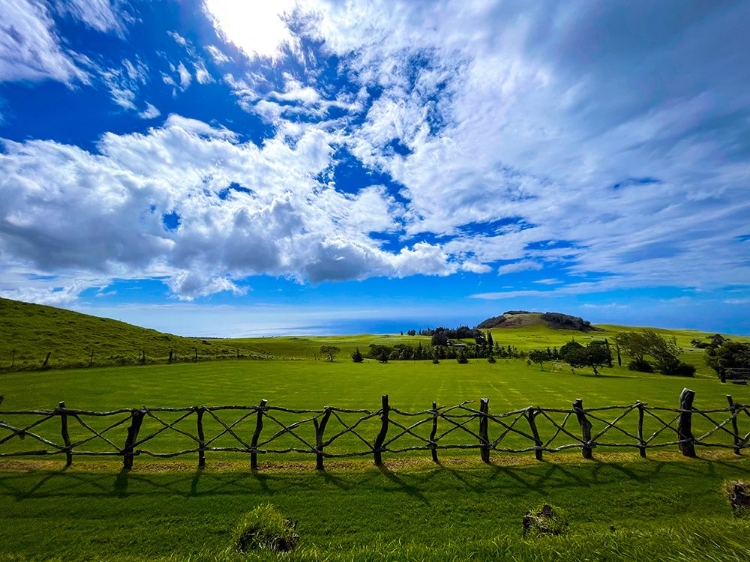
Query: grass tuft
(265, 528)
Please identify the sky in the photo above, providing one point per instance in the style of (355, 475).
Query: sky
(237, 168)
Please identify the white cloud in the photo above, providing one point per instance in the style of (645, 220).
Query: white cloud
(150, 112)
(102, 216)
(124, 82)
(525, 265)
(217, 55)
(179, 39)
(185, 76)
(30, 48)
(201, 73)
(101, 15)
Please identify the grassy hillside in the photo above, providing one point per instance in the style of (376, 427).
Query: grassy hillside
(29, 331)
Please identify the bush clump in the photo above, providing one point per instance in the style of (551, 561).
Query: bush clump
(265, 528)
(545, 521)
(640, 365)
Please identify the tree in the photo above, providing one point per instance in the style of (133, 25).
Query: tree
(665, 352)
(538, 356)
(572, 345)
(594, 355)
(728, 355)
(461, 357)
(330, 351)
(357, 356)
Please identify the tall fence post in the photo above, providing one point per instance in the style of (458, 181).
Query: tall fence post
(587, 449)
(734, 408)
(484, 440)
(641, 442)
(380, 439)
(685, 423)
(433, 433)
(201, 437)
(135, 426)
(256, 435)
(531, 414)
(319, 429)
(65, 435)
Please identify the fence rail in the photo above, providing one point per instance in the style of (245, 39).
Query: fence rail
(333, 432)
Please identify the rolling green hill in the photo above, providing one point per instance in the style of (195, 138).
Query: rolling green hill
(28, 332)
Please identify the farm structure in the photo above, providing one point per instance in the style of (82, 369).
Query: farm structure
(340, 432)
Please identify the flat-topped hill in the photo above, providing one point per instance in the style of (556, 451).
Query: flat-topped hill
(522, 318)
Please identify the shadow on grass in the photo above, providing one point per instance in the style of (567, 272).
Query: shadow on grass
(542, 476)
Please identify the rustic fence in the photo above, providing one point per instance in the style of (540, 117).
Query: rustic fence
(340, 432)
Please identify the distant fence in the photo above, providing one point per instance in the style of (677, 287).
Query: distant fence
(333, 433)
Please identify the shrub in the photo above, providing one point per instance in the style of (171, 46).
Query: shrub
(491, 359)
(640, 365)
(265, 528)
(461, 357)
(357, 356)
(682, 370)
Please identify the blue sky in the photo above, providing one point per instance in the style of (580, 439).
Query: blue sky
(236, 168)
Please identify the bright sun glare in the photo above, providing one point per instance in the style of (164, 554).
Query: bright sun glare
(255, 26)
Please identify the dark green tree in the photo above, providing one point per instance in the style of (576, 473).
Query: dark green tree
(357, 357)
(594, 355)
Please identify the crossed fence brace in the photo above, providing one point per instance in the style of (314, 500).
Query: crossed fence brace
(460, 419)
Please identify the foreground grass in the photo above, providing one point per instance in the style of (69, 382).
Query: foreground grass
(624, 508)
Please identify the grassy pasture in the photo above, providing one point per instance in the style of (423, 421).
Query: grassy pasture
(411, 386)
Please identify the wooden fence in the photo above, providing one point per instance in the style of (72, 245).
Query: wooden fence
(339, 432)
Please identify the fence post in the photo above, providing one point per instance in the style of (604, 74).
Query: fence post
(201, 437)
(433, 433)
(734, 408)
(256, 435)
(685, 424)
(587, 449)
(641, 442)
(65, 434)
(531, 414)
(484, 440)
(319, 429)
(383, 431)
(135, 426)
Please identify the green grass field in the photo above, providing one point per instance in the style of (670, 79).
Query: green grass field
(620, 507)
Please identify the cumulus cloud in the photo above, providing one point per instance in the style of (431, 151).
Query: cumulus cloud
(129, 211)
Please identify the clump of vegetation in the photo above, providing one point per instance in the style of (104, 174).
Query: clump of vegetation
(727, 357)
(738, 494)
(265, 528)
(545, 521)
(665, 353)
(357, 356)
